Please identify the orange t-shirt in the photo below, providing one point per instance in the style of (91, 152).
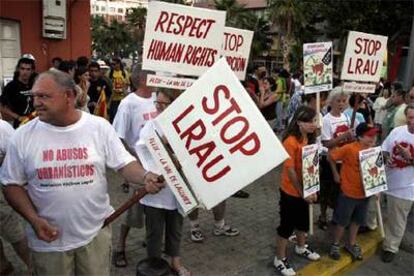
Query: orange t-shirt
(351, 183)
(294, 148)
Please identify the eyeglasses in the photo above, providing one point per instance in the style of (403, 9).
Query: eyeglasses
(161, 104)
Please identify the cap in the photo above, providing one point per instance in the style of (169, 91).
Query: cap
(102, 64)
(363, 129)
(29, 56)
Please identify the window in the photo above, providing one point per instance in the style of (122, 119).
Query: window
(120, 10)
(103, 8)
(111, 9)
(97, 8)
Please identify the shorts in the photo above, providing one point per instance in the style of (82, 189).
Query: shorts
(294, 215)
(93, 258)
(350, 210)
(11, 224)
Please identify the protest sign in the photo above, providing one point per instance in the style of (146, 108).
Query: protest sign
(359, 87)
(219, 136)
(372, 167)
(310, 170)
(171, 175)
(182, 39)
(236, 49)
(317, 67)
(169, 82)
(364, 57)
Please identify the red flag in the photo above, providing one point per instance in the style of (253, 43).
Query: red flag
(101, 108)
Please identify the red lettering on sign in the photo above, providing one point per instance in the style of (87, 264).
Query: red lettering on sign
(184, 25)
(203, 152)
(241, 145)
(211, 164)
(180, 117)
(195, 132)
(232, 123)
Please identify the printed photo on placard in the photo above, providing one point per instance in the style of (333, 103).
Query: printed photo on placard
(310, 170)
(317, 67)
(373, 171)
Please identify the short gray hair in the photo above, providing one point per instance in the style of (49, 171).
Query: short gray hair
(62, 79)
(335, 93)
(138, 75)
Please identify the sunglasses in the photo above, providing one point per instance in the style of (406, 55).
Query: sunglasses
(162, 104)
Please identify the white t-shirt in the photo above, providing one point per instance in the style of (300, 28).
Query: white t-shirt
(133, 112)
(65, 170)
(164, 199)
(6, 131)
(333, 127)
(380, 111)
(400, 175)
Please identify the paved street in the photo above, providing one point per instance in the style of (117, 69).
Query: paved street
(252, 252)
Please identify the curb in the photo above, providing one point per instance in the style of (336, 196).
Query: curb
(326, 266)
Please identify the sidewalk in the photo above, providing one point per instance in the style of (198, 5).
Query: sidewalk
(250, 253)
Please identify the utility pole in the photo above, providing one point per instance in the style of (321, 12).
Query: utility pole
(409, 69)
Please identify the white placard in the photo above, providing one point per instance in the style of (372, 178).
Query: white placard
(171, 175)
(219, 136)
(236, 49)
(310, 170)
(317, 67)
(359, 87)
(373, 174)
(182, 39)
(169, 82)
(364, 57)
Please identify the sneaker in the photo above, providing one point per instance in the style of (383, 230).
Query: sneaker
(182, 271)
(226, 230)
(197, 235)
(387, 256)
(334, 252)
(284, 267)
(292, 238)
(307, 252)
(241, 194)
(355, 251)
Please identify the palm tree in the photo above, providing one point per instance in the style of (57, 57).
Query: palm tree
(136, 19)
(288, 15)
(99, 32)
(234, 12)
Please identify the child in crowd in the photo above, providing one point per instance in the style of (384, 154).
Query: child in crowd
(335, 132)
(294, 214)
(351, 207)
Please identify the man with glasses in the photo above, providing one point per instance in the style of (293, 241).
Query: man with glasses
(62, 155)
(134, 111)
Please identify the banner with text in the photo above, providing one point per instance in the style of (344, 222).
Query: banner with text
(364, 57)
(317, 67)
(169, 82)
(175, 182)
(219, 136)
(182, 39)
(236, 49)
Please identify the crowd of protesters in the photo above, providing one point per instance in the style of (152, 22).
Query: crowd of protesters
(63, 127)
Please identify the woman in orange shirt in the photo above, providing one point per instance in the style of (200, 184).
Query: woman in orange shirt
(294, 215)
